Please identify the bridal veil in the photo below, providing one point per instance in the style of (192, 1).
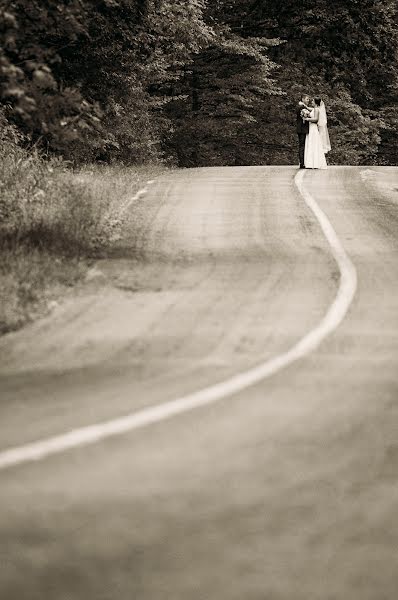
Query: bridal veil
(323, 128)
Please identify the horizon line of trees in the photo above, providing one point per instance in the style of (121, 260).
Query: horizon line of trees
(199, 82)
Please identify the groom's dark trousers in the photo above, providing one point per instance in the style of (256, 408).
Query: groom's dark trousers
(303, 128)
(301, 141)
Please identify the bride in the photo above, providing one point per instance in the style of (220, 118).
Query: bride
(317, 143)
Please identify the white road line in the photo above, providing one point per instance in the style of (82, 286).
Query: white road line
(136, 197)
(336, 313)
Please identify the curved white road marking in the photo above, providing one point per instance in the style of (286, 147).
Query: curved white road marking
(336, 313)
(126, 205)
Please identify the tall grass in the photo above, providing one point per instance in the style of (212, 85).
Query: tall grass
(53, 222)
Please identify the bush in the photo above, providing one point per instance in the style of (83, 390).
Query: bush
(53, 220)
(40, 205)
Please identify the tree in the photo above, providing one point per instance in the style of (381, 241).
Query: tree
(220, 96)
(76, 74)
(344, 51)
(199, 82)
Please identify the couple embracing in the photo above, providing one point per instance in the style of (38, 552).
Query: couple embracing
(312, 133)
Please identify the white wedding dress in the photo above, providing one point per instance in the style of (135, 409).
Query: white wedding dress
(314, 155)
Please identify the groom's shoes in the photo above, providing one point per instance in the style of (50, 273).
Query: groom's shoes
(302, 167)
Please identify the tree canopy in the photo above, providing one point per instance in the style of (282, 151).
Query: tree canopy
(199, 82)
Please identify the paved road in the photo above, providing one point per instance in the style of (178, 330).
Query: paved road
(286, 490)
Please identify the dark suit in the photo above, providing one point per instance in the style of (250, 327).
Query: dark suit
(303, 128)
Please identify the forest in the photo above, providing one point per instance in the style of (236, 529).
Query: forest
(198, 82)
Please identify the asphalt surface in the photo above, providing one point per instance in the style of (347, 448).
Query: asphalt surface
(286, 490)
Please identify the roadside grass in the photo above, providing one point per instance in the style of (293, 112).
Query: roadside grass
(113, 187)
(31, 282)
(54, 222)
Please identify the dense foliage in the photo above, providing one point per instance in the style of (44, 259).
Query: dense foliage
(77, 73)
(346, 51)
(199, 82)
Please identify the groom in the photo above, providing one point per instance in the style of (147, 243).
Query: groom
(303, 127)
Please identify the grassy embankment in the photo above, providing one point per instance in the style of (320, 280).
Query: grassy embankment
(53, 223)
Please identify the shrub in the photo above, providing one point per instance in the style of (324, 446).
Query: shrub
(41, 206)
(52, 221)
